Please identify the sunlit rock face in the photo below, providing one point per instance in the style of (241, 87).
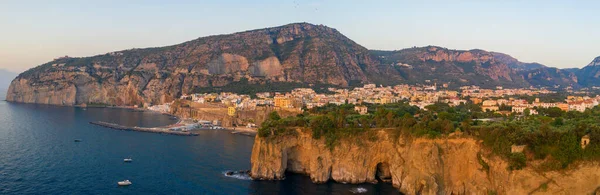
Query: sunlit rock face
(414, 166)
(292, 53)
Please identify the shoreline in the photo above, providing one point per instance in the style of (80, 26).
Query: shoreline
(233, 130)
(160, 130)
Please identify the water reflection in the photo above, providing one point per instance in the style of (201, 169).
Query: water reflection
(300, 184)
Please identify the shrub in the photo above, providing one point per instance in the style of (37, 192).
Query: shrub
(517, 161)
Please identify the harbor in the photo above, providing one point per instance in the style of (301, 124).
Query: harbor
(143, 129)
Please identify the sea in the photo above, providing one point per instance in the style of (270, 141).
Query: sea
(39, 155)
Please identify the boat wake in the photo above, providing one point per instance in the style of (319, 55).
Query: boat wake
(358, 190)
(242, 175)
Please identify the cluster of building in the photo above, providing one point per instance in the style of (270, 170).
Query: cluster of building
(420, 96)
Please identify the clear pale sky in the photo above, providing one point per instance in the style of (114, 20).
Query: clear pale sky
(555, 33)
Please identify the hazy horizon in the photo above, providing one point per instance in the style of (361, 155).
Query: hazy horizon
(553, 33)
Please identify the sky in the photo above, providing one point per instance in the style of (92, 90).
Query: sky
(560, 34)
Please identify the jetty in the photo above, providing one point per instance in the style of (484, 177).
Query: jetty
(143, 129)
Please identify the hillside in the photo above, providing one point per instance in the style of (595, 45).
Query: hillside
(590, 74)
(516, 64)
(293, 55)
(457, 67)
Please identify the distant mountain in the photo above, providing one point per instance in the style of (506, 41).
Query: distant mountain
(595, 62)
(457, 67)
(590, 74)
(516, 64)
(571, 70)
(550, 77)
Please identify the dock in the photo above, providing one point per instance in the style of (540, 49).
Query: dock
(143, 129)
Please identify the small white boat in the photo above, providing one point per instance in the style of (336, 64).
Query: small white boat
(127, 160)
(124, 183)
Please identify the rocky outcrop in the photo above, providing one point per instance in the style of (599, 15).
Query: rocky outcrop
(298, 53)
(456, 67)
(312, 54)
(414, 166)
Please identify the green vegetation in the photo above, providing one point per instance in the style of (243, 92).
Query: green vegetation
(553, 136)
(482, 162)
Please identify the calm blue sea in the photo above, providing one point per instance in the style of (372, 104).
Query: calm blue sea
(38, 155)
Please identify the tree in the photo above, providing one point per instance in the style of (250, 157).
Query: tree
(274, 116)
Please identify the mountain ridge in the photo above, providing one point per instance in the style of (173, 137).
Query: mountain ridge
(294, 53)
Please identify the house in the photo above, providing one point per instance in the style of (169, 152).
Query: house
(563, 106)
(361, 109)
(518, 109)
(231, 111)
(282, 102)
(490, 103)
(476, 100)
(489, 108)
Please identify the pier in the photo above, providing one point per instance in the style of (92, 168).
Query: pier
(143, 129)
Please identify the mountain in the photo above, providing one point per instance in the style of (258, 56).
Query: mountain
(295, 53)
(595, 62)
(516, 64)
(457, 67)
(550, 77)
(590, 74)
(292, 55)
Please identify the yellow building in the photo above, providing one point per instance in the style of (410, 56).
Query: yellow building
(385, 100)
(563, 107)
(476, 100)
(282, 102)
(231, 111)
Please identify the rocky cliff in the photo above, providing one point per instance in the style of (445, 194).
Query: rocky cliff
(299, 52)
(457, 67)
(414, 166)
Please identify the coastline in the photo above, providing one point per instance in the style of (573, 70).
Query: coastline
(243, 130)
(234, 130)
(160, 130)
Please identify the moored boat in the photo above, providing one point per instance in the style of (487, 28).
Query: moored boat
(124, 183)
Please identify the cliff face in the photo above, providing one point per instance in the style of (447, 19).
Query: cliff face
(298, 53)
(414, 166)
(292, 53)
(457, 67)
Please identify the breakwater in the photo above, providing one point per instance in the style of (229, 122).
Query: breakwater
(143, 129)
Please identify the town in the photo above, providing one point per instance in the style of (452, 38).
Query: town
(499, 100)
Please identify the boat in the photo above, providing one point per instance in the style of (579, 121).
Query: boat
(77, 140)
(127, 160)
(124, 183)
